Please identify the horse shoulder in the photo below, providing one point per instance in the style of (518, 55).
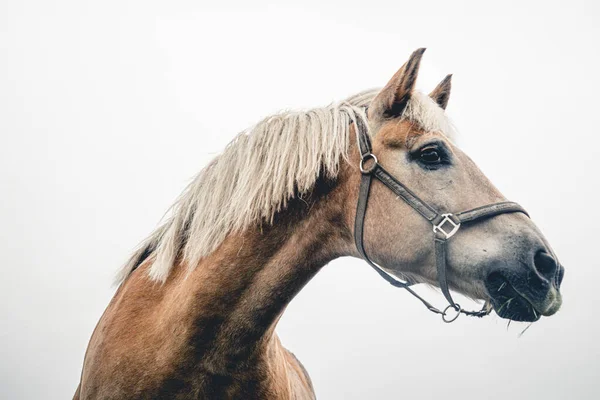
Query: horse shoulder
(128, 350)
(300, 383)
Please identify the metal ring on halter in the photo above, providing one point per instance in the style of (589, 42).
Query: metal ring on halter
(458, 310)
(367, 157)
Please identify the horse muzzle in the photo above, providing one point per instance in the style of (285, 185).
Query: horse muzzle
(526, 291)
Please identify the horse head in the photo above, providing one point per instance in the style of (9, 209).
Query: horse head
(500, 257)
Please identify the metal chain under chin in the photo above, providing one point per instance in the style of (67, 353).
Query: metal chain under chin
(444, 225)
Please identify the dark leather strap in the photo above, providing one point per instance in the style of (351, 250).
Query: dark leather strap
(489, 211)
(361, 211)
(364, 141)
(439, 221)
(440, 261)
(407, 195)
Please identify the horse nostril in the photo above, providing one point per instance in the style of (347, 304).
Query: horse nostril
(545, 265)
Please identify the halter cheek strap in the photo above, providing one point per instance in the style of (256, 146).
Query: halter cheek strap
(445, 225)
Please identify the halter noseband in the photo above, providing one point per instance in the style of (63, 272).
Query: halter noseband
(444, 225)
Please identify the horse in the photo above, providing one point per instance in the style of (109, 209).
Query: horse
(197, 304)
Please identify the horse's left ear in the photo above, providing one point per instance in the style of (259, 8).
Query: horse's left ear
(441, 93)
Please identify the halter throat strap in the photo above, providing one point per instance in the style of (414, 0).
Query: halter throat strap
(445, 225)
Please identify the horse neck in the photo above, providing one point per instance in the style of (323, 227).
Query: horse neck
(239, 292)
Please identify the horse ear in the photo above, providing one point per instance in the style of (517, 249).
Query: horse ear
(392, 99)
(441, 93)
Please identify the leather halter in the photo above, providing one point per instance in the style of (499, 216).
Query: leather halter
(445, 225)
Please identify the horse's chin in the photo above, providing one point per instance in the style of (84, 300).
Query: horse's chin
(510, 304)
(520, 309)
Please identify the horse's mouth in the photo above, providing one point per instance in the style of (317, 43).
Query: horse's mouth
(508, 302)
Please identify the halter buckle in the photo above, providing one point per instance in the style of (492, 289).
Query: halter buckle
(447, 218)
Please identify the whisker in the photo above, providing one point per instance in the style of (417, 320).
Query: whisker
(524, 330)
(506, 303)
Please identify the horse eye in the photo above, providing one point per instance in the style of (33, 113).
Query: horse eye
(430, 156)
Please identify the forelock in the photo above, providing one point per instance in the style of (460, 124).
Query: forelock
(424, 111)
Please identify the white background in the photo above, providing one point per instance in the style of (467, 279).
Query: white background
(108, 109)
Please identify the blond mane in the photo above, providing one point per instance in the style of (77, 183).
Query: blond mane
(257, 174)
